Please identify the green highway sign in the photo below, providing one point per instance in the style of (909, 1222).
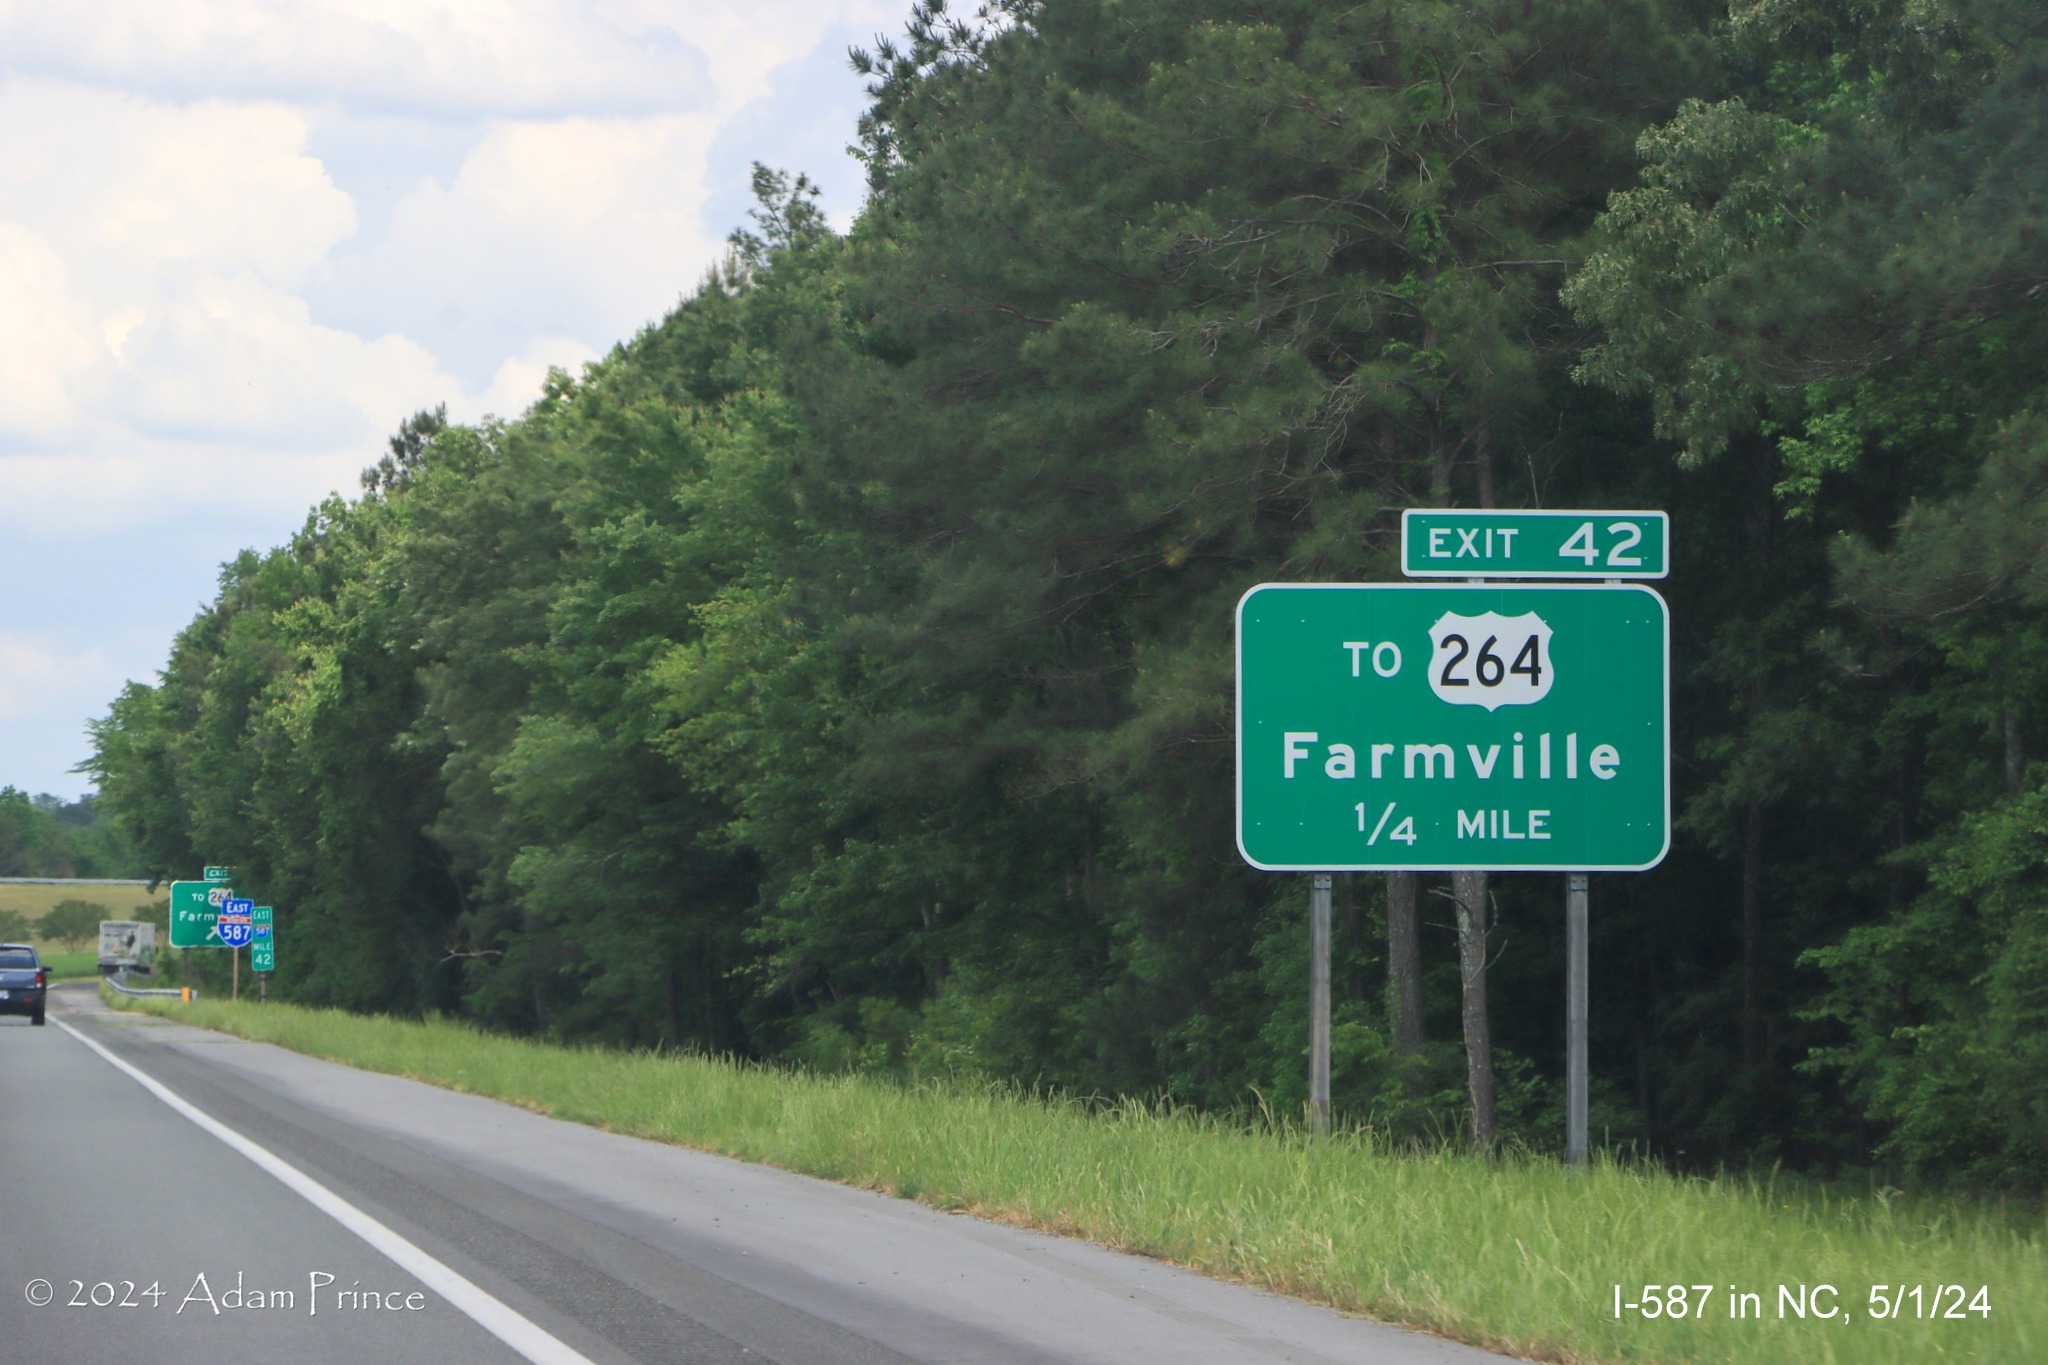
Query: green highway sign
(218, 874)
(195, 913)
(1461, 543)
(1436, 727)
(263, 942)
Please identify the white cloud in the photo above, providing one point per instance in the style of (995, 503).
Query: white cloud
(38, 678)
(149, 258)
(142, 491)
(803, 122)
(530, 57)
(748, 41)
(522, 58)
(235, 357)
(578, 227)
(46, 343)
(516, 385)
(141, 189)
(240, 240)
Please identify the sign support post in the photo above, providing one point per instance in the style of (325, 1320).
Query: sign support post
(1575, 998)
(1319, 1004)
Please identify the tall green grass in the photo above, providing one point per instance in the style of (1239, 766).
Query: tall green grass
(1518, 1254)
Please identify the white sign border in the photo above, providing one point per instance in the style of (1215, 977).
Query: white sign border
(1237, 725)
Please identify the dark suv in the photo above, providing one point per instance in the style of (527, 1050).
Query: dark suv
(24, 982)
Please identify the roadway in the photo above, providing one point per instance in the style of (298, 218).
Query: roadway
(256, 1205)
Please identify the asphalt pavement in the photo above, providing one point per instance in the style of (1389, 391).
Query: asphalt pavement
(261, 1206)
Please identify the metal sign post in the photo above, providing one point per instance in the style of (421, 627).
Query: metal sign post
(1319, 1004)
(236, 926)
(1575, 1000)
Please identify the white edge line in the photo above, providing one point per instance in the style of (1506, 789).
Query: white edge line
(522, 1334)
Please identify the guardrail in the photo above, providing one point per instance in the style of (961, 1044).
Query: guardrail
(119, 983)
(75, 881)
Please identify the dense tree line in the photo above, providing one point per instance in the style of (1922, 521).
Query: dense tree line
(47, 836)
(840, 670)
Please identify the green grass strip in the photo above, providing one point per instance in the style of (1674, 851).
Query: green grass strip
(1518, 1254)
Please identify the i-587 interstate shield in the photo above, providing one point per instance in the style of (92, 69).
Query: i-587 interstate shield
(1423, 726)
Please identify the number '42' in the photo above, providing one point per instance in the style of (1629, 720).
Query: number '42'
(1581, 547)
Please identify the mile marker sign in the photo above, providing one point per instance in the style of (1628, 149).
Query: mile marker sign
(1443, 727)
(262, 941)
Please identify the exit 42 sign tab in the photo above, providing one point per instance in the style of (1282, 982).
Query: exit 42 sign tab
(1463, 543)
(1388, 726)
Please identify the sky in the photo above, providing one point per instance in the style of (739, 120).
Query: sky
(242, 240)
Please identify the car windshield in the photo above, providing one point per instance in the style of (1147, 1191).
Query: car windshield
(17, 958)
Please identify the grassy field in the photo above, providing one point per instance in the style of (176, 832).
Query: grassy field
(1519, 1254)
(32, 902)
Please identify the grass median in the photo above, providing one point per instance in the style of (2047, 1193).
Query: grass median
(1518, 1254)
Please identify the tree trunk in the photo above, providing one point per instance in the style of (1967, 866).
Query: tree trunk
(1437, 442)
(1350, 943)
(933, 962)
(1482, 458)
(2015, 755)
(1752, 935)
(1646, 1097)
(672, 1007)
(1469, 890)
(1404, 965)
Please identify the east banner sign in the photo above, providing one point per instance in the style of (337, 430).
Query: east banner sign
(1437, 727)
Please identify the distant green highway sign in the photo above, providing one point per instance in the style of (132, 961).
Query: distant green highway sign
(195, 913)
(1426, 726)
(1462, 543)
